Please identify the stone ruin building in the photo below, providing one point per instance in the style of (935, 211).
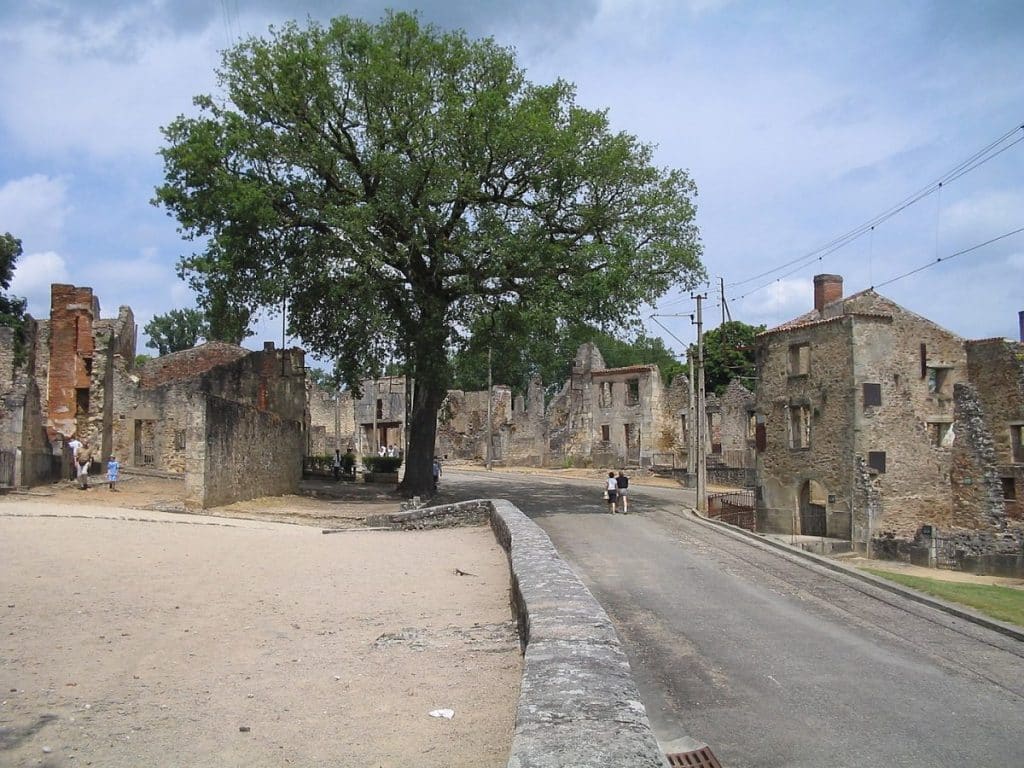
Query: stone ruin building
(604, 417)
(873, 421)
(198, 413)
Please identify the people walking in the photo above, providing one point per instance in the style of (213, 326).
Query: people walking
(611, 492)
(74, 445)
(336, 463)
(83, 459)
(622, 481)
(436, 472)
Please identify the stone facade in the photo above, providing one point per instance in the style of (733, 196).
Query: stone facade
(861, 436)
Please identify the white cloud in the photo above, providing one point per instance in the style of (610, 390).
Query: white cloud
(33, 275)
(33, 209)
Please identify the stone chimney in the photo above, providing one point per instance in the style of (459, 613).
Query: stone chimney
(827, 288)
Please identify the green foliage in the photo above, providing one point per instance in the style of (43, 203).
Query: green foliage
(395, 183)
(141, 360)
(326, 381)
(179, 329)
(519, 354)
(382, 463)
(12, 309)
(729, 354)
(1003, 603)
(225, 320)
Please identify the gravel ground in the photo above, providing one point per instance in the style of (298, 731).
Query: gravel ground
(137, 637)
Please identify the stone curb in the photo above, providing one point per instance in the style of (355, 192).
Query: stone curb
(952, 609)
(578, 705)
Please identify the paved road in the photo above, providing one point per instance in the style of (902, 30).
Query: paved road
(772, 662)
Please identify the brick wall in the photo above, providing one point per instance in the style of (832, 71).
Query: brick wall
(188, 364)
(239, 452)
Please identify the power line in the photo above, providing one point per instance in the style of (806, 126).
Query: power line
(951, 256)
(979, 158)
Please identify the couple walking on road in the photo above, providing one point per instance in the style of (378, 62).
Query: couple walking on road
(616, 490)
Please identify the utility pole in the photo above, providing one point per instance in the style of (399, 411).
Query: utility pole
(490, 411)
(701, 425)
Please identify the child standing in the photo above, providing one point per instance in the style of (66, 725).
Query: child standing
(113, 467)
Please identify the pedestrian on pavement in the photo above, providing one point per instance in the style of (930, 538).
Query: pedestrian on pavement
(336, 463)
(623, 491)
(84, 459)
(611, 492)
(113, 469)
(74, 445)
(436, 471)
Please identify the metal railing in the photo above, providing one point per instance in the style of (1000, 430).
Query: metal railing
(734, 507)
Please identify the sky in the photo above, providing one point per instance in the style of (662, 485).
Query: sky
(800, 122)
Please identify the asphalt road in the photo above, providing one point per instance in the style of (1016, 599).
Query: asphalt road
(773, 662)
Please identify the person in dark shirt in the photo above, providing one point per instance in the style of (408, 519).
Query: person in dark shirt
(623, 491)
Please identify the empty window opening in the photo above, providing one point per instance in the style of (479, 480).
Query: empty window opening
(940, 433)
(872, 394)
(1017, 441)
(605, 397)
(751, 426)
(1009, 488)
(799, 359)
(683, 433)
(380, 410)
(800, 426)
(179, 439)
(632, 391)
(81, 401)
(606, 433)
(938, 381)
(876, 460)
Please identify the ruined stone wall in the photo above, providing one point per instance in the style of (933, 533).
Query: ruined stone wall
(6, 359)
(239, 452)
(995, 368)
(914, 487)
(72, 313)
(736, 405)
(977, 493)
(675, 421)
(826, 392)
(333, 413)
(188, 364)
(524, 440)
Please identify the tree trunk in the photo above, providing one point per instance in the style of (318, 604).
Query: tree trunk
(430, 368)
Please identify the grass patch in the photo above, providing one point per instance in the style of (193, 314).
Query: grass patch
(1003, 603)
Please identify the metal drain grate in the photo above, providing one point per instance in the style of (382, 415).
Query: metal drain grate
(696, 758)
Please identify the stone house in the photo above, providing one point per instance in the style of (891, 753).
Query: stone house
(198, 412)
(856, 419)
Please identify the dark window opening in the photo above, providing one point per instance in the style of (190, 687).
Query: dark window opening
(1009, 488)
(380, 410)
(632, 391)
(88, 366)
(876, 460)
(81, 401)
(1017, 439)
(605, 433)
(682, 426)
(872, 394)
(179, 439)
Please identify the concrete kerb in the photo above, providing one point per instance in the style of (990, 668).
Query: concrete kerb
(797, 554)
(578, 703)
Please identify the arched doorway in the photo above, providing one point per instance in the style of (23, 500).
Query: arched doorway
(813, 498)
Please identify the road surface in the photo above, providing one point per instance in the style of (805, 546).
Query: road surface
(774, 662)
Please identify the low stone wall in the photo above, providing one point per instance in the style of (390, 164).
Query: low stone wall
(578, 704)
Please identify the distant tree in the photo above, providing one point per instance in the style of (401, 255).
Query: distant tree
(177, 330)
(225, 319)
(395, 182)
(141, 360)
(325, 380)
(12, 308)
(729, 354)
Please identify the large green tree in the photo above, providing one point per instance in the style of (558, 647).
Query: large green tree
(393, 182)
(12, 308)
(729, 354)
(177, 330)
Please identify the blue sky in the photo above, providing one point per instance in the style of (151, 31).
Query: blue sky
(799, 122)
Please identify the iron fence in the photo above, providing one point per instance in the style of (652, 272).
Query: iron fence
(734, 507)
(7, 469)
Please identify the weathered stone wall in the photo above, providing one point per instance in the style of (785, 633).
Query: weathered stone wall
(736, 406)
(72, 313)
(239, 452)
(676, 421)
(6, 359)
(977, 493)
(827, 393)
(333, 412)
(524, 441)
(188, 364)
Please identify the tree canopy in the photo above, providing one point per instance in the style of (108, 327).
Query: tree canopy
(729, 354)
(394, 183)
(175, 331)
(12, 308)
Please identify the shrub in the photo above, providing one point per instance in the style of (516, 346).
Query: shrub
(382, 464)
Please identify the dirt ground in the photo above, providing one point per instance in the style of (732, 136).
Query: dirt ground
(132, 636)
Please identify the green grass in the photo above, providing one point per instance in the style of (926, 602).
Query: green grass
(1003, 603)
